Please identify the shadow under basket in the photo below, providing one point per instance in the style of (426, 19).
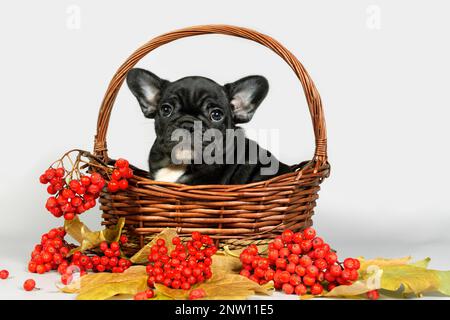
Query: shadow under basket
(233, 215)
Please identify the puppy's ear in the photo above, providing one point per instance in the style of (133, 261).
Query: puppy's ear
(146, 87)
(246, 95)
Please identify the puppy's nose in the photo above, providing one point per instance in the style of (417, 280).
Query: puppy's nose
(187, 125)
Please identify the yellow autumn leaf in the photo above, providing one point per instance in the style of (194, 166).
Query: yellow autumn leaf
(100, 286)
(382, 262)
(142, 255)
(355, 289)
(411, 278)
(222, 286)
(91, 239)
(225, 263)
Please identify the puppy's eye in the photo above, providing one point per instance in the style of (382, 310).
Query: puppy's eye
(216, 115)
(166, 110)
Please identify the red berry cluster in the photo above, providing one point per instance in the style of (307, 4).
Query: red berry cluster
(74, 197)
(51, 253)
(109, 261)
(186, 265)
(299, 262)
(119, 176)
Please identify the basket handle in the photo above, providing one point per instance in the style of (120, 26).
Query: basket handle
(311, 93)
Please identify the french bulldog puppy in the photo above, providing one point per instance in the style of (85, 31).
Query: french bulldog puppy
(197, 106)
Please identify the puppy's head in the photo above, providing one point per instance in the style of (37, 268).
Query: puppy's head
(190, 101)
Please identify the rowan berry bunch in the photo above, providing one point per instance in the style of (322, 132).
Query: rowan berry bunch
(110, 260)
(75, 197)
(184, 266)
(300, 263)
(51, 253)
(120, 175)
(73, 193)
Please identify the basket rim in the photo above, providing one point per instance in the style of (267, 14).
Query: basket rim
(310, 91)
(297, 174)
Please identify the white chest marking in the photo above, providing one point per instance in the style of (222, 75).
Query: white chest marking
(170, 174)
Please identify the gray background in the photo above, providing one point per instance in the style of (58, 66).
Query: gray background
(381, 67)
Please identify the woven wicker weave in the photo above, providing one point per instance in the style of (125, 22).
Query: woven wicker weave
(234, 215)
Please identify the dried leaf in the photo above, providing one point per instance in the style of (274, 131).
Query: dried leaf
(355, 289)
(89, 239)
(225, 263)
(100, 286)
(396, 276)
(222, 286)
(382, 262)
(411, 278)
(142, 255)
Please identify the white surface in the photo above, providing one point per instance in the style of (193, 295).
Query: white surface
(385, 94)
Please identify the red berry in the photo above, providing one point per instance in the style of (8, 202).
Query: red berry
(295, 280)
(290, 268)
(273, 254)
(103, 246)
(43, 179)
(123, 239)
(149, 293)
(287, 236)
(335, 270)
(185, 286)
(140, 296)
(123, 184)
(346, 274)
(317, 242)
(357, 264)
(308, 280)
(93, 189)
(113, 186)
(85, 181)
(29, 284)
(96, 178)
(116, 175)
(69, 216)
(60, 172)
(373, 295)
(309, 233)
(296, 249)
(197, 294)
(305, 261)
(114, 246)
(287, 288)
(316, 289)
(321, 264)
(349, 263)
(278, 244)
(331, 258)
(306, 245)
(312, 270)
(300, 290)
(121, 163)
(284, 252)
(280, 263)
(284, 277)
(100, 268)
(40, 268)
(4, 274)
(331, 286)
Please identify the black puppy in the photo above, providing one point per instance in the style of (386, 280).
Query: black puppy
(199, 106)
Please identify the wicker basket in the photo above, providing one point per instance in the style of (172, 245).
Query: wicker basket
(234, 215)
